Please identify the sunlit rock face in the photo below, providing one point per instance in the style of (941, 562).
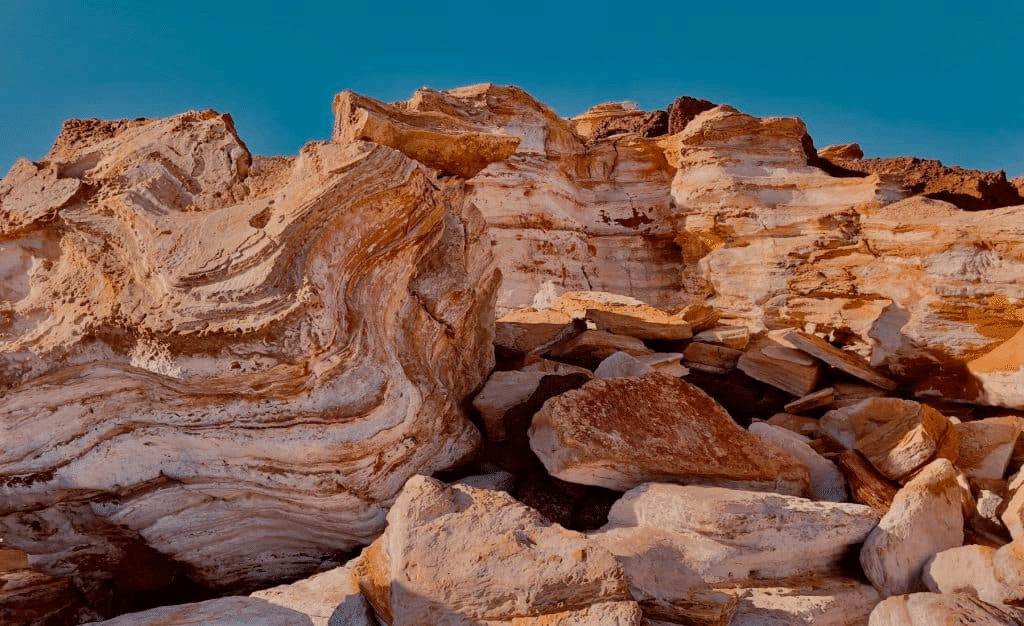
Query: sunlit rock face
(239, 361)
(733, 210)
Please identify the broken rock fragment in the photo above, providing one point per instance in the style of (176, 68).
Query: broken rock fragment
(897, 436)
(846, 361)
(621, 432)
(591, 347)
(771, 360)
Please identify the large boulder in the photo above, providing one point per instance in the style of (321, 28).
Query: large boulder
(927, 609)
(925, 518)
(459, 555)
(621, 432)
(728, 535)
(234, 360)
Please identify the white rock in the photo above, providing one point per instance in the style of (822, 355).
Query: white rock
(814, 601)
(986, 447)
(931, 609)
(732, 535)
(897, 436)
(827, 481)
(925, 519)
(331, 598)
(965, 569)
(230, 611)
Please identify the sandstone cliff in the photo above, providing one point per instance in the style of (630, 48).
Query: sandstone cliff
(223, 368)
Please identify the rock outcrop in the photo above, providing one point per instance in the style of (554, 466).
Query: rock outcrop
(234, 362)
(221, 372)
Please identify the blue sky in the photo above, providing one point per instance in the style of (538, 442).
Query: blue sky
(935, 79)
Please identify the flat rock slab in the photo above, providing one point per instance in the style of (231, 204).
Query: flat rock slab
(736, 337)
(591, 347)
(523, 331)
(622, 432)
(623, 365)
(818, 399)
(772, 361)
(711, 358)
(623, 315)
(230, 611)
(840, 359)
(729, 535)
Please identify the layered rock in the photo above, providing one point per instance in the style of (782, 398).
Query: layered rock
(237, 361)
(735, 210)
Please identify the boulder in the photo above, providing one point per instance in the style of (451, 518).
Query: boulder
(1013, 514)
(966, 569)
(928, 609)
(455, 554)
(728, 535)
(827, 482)
(591, 347)
(897, 436)
(660, 579)
(623, 365)
(771, 360)
(810, 600)
(986, 447)
(331, 598)
(621, 432)
(925, 518)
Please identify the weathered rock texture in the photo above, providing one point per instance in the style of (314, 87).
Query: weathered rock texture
(459, 555)
(731, 209)
(236, 362)
(621, 432)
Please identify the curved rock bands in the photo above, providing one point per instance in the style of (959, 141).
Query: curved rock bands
(260, 357)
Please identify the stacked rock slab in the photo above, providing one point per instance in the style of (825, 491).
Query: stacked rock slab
(235, 361)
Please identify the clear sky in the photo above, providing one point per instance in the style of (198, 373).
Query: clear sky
(936, 79)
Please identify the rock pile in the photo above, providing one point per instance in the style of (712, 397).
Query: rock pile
(724, 379)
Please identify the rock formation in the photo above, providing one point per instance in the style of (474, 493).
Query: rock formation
(221, 372)
(259, 351)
